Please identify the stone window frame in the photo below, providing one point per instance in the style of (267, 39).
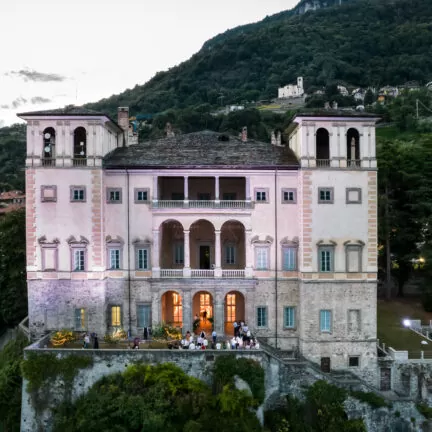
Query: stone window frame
(74, 188)
(323, 189)
(357, 357)
(258, 244)
(294, 326)
(347, 192)
(267, 249)
(174, 249)
(225, 255)
(114, 189)
(330, 246)
(109, 313)
(114, 244)
(78, 245)
(138, 247)
(330, 330)
(49, 199)
(262, 190)
(45, 245)
(136, 191)
(348, 320)
(80, 328)
(288, 190)
(137, 305)
(358, 245)
(289, 244)
(265, 326)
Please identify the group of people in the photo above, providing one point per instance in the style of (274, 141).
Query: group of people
(91, 339)
(201, 342)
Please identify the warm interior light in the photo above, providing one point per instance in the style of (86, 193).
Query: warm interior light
(407, 323)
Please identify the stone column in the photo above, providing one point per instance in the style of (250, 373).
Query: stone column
(186, 269)
(186, 188)
(218, 312)
(218, 266)
(248, 252)
(248, 193)
(156, 308)
(155, 255)
(187, 311)
(155, 188)
(217, 188)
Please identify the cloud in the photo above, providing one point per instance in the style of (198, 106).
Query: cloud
(4, 106)
(2, 123)
(18, 102)
(39, 100)
(32, 75)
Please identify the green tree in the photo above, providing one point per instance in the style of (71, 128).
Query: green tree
(369, 98)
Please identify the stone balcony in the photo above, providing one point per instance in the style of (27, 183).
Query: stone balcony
(164, 273)
(202, 204)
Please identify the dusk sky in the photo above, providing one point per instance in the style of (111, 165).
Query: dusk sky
(59, 52)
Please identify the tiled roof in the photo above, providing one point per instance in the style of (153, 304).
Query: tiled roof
(322, 112)
(11, 194)
(202, 150)
(69, 110)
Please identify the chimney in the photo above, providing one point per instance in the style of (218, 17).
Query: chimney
(123, 118)
(334, 105)
(244, 134)
(326, 105)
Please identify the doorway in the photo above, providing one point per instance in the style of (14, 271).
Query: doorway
(325, 364)
(385, 379)
(204, 257)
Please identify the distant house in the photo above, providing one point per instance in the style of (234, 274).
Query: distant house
(358, 95)
(389, 91)
(343, 90)
(410, 86)
(292, 90)
(11, 201)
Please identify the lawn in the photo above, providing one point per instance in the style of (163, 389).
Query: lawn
(393, 334)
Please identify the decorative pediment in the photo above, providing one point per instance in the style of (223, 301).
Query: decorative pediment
(354, 243)
(117, 240)
(71, 240)
(43, 240)
(326, 243)
(268, 240)
(292, 243)
(142, 241)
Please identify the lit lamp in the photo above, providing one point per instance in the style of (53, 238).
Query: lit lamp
(406, 322)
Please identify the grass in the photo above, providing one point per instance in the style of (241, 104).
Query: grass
(393, 334)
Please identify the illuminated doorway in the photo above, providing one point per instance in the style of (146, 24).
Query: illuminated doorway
(202, 309)
(234, 310)
(172, 308)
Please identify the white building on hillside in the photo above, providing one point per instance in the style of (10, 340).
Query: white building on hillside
(292, 90)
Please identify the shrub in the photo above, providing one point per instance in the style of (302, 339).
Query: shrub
(370, 398)
(424, 410)
(166, 332)
(62, 337)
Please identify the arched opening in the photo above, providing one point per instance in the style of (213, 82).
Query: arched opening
(233, 253)
(172, 245)
(234, 310)
(202, 245)
(322, 147)
(202, 310)
(80, 146)
(48, 151)
(172, 308)
(353, 147)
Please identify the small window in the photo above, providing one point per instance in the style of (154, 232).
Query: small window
(114, 196)
(289, 317)
(143, 259)
(325, 321)
(289, 196)
(78, 193)
(289, 255)
(114, 257)
(230, 255)
(179, 253)
(325, 195)
(326, 259)
(261, 317)
(79, 260)
(262, 258)
(353, 195)
(80, 319)
(261, 195)
(144, 315)
(142, 195)
(116, 316)
(49, 193)
(354, 361)
(229, 196)
(353, 258)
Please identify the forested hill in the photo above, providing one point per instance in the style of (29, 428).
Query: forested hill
(363, 42)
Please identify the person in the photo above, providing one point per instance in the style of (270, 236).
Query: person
(205, 316)
(218, 346)
(145, 333)
(235, 325)
(136, 342)
(95, 341)
(86, 341)
(214, 336)
(202, 334)
(196, 317)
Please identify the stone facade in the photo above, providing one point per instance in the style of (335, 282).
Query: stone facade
(284, 238)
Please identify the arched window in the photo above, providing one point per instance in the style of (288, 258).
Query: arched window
(80, 146)
(353, 147)
(322, 147)
(48, 151)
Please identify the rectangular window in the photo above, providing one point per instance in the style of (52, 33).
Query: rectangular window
(262, 258)
(231, 307)
(354, 361)
(229, 196)
(77, 193)
(79, 260)
(326, 259)
(179, 253)
(289, 255)
(353, 195)
(114, 255)
(116, 316)
(261, 195)
(48, 193)
(325, 321)
(143, 315)
(141, 195)
(80, 319)
(353, 258)
(143, 259)
(325, 195)
(177, 308)
(230, 254)
(289, 317)
(261, 316)
(114, 195)
(354, 320)
(289, 196)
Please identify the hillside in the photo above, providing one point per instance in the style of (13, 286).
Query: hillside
(364, 42)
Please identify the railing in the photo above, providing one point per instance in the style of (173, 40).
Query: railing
(23, 327)
(79, 162)
(323, 162)
(354, 163)
(209, 204)
(233, 273)
(48, 162)
(202, 273)
(171, 273)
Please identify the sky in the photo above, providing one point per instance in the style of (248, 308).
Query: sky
(60, 52)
